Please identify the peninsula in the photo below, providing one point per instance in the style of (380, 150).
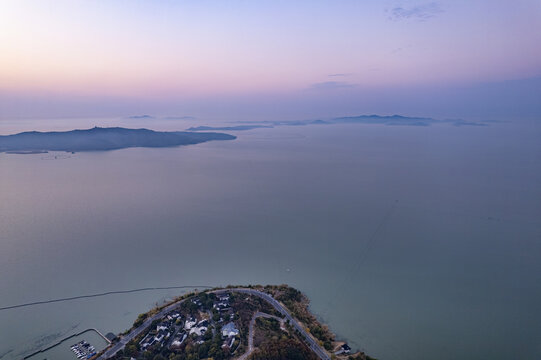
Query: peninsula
(100, 139)
(246, 323)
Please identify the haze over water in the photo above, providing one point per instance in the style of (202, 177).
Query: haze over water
(411, 242)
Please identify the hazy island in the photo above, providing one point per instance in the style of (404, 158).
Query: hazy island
(390, 120)
(99, 139)
(248, 323)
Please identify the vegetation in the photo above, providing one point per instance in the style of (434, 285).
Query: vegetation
(140, 319)
(360, 356)
(273, 339)
(96, 139)
(283, 349)
(297, 304)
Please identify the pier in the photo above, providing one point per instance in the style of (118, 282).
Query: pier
(67, 338)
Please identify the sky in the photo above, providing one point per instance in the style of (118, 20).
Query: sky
(267, 59)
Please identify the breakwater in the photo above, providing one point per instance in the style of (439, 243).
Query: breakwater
(103, 294)
(65, 339)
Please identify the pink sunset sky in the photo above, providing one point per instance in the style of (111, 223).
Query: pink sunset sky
(69, 58)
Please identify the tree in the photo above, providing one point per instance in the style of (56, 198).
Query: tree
(130, 350)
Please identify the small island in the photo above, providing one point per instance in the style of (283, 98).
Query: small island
(389, 120)
(101, 139)
(247, 323)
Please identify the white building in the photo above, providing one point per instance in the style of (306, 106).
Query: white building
(190, 323)
(198, 330)
(229, 330)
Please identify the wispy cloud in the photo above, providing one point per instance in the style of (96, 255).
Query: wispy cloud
(145, 116)
(339, 75)
(331, 85)
(179, 118)
(421, 12)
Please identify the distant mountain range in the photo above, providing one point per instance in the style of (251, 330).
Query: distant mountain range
(97, 139)
(391, 120)
(386, 120)
(402, 120)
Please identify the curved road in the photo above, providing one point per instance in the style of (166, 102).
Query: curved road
(310, 341)
(251, 333)
(111, 351)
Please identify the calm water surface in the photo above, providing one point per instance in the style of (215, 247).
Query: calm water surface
(411, 242)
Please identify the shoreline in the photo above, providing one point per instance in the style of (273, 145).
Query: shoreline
(287, 301)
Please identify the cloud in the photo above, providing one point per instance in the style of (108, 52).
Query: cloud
(421, 12)
(339, 75)
(141, 117)
(179, 118)
(331, 85)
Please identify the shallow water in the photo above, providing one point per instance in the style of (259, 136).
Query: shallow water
(411, 242)
(63, 351)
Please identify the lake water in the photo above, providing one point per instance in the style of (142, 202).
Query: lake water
(63, 350)
(411, 242)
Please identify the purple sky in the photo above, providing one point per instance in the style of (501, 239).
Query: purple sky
(270, 59)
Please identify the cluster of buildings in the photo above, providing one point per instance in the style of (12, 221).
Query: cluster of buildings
(229, 330)
(162, 332)
(177, 327)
